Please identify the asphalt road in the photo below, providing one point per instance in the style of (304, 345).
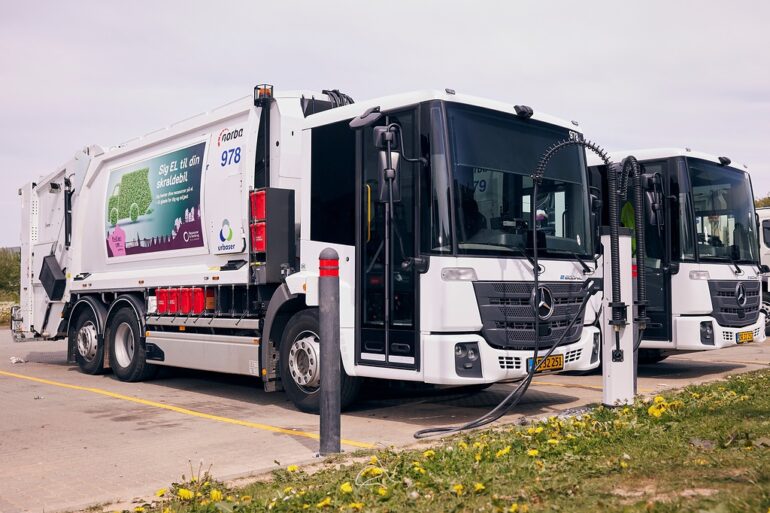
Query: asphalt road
(68, 440)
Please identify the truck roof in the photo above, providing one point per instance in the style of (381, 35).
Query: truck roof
(661, 153)
(415, 97)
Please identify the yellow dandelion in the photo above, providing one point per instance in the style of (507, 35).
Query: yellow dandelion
(659, 399)
(479, 487)
(373, 472)
(185, 494)
(161, 492)
(373, 460)
(382, 491)
(139, 509)
(502, 452)
(357, 506)
(458, 489)
(553, 441)
(477, 456)
(166, 510)
(215, 495)
(306, 506)
(429, 453)
(623, 464)
(292, 468)
(656, 410)
(462, 445)
(514, 508)
(570, 436)
(229, 498)
(538, 430)
(346, 487)
(246, 499)
(533, 452)
(324, 503)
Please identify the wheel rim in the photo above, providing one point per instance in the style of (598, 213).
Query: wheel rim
(124, 344)
(87, 341)
(304, 362)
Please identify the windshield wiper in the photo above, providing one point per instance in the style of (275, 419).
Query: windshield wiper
(727, 259)
(586, 269)
(523, 252)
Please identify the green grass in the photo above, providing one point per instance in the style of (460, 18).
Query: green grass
(706, 448)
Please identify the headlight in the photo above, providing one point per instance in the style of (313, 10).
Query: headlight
(458, 274)
(699, 275)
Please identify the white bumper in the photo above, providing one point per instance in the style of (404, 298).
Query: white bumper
(498, 364)
(687, 333)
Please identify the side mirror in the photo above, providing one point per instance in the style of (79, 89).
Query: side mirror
(385, 174)
(368, 118)
(764, 268)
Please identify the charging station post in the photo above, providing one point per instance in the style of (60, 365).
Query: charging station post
(618, 362)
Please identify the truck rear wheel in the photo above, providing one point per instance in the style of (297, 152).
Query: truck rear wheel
(127, 351)
(89, 347)
(300, 364)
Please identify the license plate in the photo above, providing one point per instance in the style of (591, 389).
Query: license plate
(744, 337)
(552, 363)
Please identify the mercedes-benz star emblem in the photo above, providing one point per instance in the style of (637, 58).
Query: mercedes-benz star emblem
(544, 306)
(740, 295)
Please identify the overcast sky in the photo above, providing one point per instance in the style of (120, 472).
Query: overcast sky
(647, 74)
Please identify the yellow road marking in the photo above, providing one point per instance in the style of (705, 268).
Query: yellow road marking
(589, 387)
(185, 411)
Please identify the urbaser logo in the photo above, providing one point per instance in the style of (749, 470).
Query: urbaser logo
(227, 135)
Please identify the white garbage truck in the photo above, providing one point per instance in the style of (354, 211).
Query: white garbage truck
(702, 254)
(198, 245)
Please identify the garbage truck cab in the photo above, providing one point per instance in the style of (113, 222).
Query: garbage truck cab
(198, 246)
(702, 261)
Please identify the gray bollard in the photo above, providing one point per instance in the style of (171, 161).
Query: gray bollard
(331, 375)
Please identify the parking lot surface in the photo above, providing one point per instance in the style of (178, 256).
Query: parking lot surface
(69, 441)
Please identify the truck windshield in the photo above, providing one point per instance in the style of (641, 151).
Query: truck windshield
(724, 212)
(493, 155)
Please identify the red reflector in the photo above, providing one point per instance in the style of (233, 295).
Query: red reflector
(198, 301)
(634, 271)
(173, 301)
(258, 238)
(185, 301)
(161, 299)
(258, 205)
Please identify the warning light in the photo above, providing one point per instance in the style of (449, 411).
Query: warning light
(263, 91)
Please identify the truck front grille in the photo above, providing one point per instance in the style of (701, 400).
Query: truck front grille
(508, 319)
(724, 300)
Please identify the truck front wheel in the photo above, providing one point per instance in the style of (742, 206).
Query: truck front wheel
(127, 350)
(300, 364)
(89, 347)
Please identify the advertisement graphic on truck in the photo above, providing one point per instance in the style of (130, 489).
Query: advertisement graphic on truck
(155, 205)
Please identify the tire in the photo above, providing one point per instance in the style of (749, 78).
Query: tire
(127, 350)
(299, 364)
(87, 343)
(650, 356)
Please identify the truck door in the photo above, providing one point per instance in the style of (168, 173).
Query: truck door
(658, 261)
(394, 343)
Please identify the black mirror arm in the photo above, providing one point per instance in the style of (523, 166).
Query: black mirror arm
(421, 160)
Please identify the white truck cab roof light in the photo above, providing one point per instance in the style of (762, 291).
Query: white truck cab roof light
(458, 274)
(700, 275)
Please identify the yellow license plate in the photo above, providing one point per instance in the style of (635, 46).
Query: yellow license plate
(744, 337)
(552, 363)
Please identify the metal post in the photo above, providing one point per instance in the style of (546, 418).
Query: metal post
(331, 375)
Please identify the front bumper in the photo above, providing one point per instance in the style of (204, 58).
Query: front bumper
(687, 333)
(499, 364)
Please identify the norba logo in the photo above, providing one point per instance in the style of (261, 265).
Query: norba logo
(227, 135)
(226, 235)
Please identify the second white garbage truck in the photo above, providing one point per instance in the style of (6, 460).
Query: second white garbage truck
(702, 252)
